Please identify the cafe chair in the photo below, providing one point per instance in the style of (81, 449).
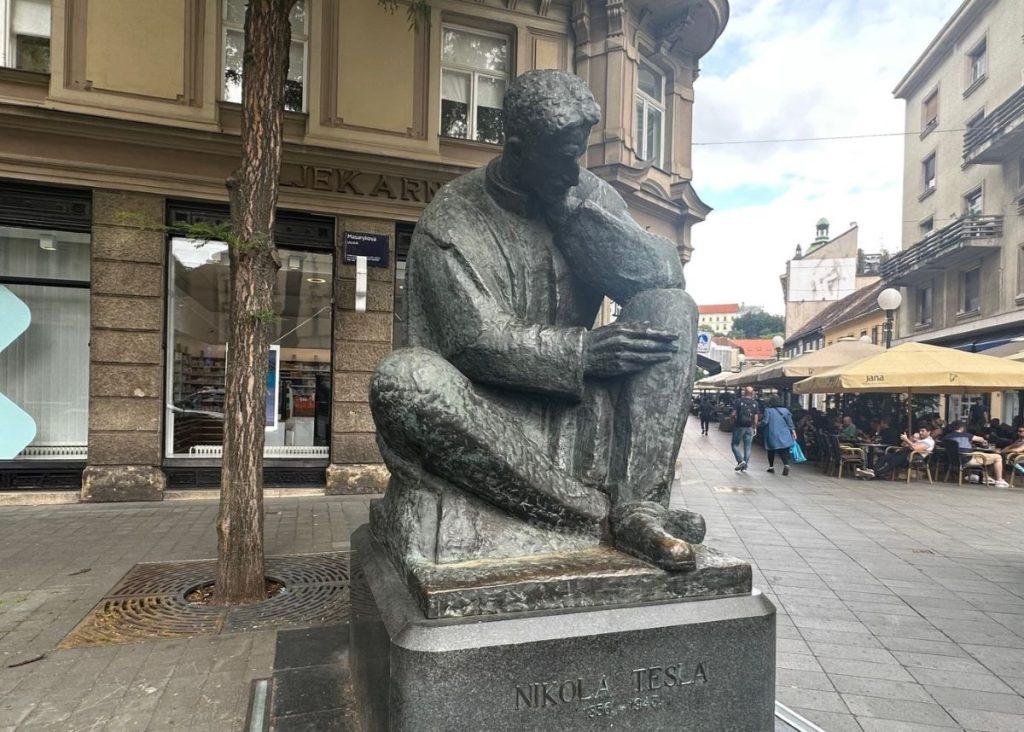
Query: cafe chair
(918, 464)
(849, 455)
(958, 462)
(1011, 464)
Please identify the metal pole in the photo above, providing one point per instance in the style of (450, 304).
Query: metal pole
(888, 328)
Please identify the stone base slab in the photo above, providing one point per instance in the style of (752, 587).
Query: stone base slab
(677, 665)
(343, 480)
(595, 577)
(112, 483)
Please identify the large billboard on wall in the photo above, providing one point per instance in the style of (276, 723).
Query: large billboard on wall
(815, 280)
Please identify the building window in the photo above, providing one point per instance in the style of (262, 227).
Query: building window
(474, 73)
(970, 290)
(927, 226)
(45, 370)
(977, 64)
(974, 202)
(923, 300)
(930, 112)
(874, 334)
(233, 41)
(1020, 173)
(928, 171)
(650, 114)
(25, 41)
(299, 383)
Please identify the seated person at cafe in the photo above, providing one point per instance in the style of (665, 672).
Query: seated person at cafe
(966, 442)
(887, 434)
(922, 442)
(1016, 446)
(848, 432)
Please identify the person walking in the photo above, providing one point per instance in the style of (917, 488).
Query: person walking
(779, 434)
(707, 411)
(745, 418)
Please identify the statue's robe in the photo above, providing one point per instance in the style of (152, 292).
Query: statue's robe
(496, 306)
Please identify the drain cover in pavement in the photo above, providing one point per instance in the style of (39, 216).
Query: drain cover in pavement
(149, 602)
(732, 489)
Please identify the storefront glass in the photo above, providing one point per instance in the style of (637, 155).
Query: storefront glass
(45, 369)
(299, 397)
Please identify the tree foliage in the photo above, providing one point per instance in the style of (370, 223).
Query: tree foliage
(756, 323)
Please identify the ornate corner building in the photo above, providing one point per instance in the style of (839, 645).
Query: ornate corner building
(110, 140)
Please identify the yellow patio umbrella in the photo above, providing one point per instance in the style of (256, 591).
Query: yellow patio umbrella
(838, 354)
(750, 377)
(717, 381)
(918, 368)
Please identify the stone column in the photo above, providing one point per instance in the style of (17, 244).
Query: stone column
(361, 340)
(126, 365)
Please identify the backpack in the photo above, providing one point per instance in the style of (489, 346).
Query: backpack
(745, 411)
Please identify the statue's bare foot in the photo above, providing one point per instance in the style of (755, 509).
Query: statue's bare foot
(643, 530)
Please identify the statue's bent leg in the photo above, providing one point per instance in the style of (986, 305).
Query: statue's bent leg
(653, 404)
(427, 412)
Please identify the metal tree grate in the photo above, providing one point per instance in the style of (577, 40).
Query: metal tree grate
(149, 601)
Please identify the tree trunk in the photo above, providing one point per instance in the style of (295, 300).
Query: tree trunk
(253, 188)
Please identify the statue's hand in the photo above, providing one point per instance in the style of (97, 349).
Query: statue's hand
(625, 348)
(558, 212)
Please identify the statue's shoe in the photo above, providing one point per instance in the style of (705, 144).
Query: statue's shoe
(640, 529)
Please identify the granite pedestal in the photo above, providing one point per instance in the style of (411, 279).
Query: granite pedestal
(662, 665)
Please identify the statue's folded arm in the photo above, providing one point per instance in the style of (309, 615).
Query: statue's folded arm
(475, 331)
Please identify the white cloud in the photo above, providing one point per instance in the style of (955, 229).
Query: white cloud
(800, 68)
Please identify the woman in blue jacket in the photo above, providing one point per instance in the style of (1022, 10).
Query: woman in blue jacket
(779, 434)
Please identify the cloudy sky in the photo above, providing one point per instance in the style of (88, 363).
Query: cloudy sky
(789, 69)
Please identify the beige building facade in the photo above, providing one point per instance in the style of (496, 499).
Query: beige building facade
(962, 264)
(961, 269)
(110, 140)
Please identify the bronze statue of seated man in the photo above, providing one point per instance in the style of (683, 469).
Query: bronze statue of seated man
(512, 426)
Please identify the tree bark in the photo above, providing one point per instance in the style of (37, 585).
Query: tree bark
(253, 190)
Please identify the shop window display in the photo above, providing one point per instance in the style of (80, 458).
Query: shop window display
(299, 388)
(44, 371)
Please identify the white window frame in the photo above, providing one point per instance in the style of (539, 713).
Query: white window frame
(8, 46)
(978, 191)
(474, 75)
(6, 43)
(935, 172)
(962, 310)
(226, 26)
(977, 71)
(648, 102)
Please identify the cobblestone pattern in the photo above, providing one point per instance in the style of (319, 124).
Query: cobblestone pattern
(900, 608)
(194, 684)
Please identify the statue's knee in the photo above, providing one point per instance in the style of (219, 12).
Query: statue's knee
(408, 376)
(671, 309)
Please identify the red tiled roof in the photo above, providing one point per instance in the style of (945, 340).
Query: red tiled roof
(716, 309)
(756, 349)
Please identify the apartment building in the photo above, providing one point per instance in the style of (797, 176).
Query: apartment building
(119, 121)
(962, 265)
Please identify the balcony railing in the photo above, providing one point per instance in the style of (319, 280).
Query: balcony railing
(985, 141)
(939, 247)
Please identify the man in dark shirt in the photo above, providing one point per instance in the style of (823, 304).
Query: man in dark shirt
(745, 416)
(966, 442)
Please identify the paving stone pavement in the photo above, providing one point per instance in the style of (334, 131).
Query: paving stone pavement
(900, 608)
(56, 562)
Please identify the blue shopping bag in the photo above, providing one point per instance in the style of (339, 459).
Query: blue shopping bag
(797, 453)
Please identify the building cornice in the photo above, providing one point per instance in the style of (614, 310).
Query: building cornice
(941, 46)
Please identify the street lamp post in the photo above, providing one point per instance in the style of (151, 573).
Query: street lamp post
(889, 300)
(778, 341)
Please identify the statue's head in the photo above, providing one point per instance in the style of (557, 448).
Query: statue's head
(548, 116)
